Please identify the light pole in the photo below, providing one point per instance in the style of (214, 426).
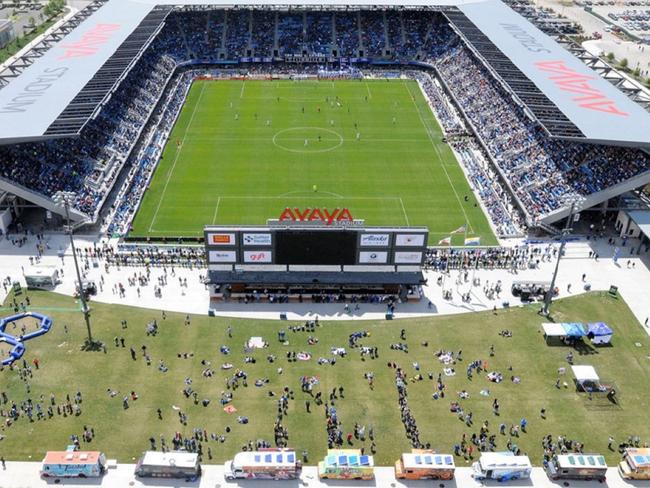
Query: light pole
(575, 202)
(65, 199)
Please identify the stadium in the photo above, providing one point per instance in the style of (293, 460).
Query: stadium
(322, 240)
(161, 121)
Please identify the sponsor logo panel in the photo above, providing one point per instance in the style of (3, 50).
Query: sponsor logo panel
(222, 256)
(374, 240)
(408, 257)
(258, 256)
(251, 239)
(222, 239)
(373, 257)
(409, 240)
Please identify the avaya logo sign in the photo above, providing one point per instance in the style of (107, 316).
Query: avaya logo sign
(90, 42)
(568, 80)
(316, 215)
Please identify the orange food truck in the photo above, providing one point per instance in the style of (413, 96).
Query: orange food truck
(635, 464)
(424, 464)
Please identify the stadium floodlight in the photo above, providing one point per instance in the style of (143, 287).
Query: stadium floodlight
(576, 202)
(65, 199)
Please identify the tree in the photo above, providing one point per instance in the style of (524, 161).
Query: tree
(637, 72)
(624, 63)
(610, 56)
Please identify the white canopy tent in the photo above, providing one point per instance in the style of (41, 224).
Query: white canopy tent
(588, 380)
(553, 329)
(585, 373)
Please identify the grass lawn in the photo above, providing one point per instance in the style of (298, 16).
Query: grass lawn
(123, 434)
(243, 151)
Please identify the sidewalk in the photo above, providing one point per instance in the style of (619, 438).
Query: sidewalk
(633, 284)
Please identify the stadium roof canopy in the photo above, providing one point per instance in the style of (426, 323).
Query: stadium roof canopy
(59, 92)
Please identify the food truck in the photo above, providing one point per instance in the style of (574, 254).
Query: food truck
(172, 464)
(73, 464)
(577, 467)
(635, 464)
(41, 276)
(346, 464)
(266, 464)
(501, 466)
(423, 464)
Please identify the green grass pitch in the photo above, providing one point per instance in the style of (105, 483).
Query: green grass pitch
(242, 151)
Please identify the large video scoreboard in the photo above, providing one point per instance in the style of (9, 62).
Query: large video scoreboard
(305, 245)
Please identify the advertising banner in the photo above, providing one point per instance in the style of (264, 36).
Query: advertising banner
(409, 240)
(374, 240)
(408, 257)
(222, 256)
(256, 239)
(258, 256)
(373, 257)
(222, 239)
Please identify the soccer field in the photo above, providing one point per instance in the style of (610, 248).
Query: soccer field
(242, 151)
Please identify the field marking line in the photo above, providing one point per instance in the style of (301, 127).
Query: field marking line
(330, 196)
(178, 152)
(241, 93)
(408, 224)
(289, 193)
(368, 89)
(266, 139)
(216, 209)
(435, 148)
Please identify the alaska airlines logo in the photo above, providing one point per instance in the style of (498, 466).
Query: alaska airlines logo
(586, 96)
(316, 215)
(90, 42)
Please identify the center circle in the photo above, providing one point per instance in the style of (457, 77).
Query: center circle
(308, 139)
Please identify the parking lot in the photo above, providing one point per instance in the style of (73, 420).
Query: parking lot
(21, 15)
(631, 15)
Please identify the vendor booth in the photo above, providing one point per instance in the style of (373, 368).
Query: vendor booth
(577, 466)
(599, 333)
(635, 464)
(573, 330)
(553, 333)
(563, 333)
(587, 379)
